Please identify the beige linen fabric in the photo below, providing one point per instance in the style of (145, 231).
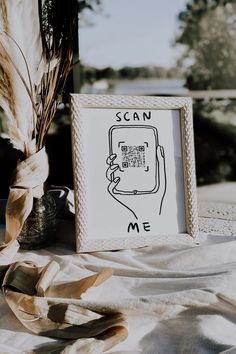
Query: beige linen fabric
(29, 179)
(175, 299)
(28, 293)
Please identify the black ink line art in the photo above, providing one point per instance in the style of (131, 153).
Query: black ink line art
(164, 175)
(114, 181)
(136, 164)
(133, 156)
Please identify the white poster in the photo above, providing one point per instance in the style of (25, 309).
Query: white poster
(133, 172)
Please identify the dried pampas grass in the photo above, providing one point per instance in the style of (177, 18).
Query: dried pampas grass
(36, 54)
(6, 86)
(58, 23)
(3, 11)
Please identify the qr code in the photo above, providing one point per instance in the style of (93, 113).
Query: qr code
(133, 156)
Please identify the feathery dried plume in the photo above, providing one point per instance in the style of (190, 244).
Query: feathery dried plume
(36, 53)
(6, 86)
(58, 23)
(21, 57)
(3, 11)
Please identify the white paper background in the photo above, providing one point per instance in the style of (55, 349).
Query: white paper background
(106, 217)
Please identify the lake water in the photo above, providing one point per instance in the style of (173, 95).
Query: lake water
(138, 87)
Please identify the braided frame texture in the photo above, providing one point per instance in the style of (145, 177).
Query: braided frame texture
(184, 105)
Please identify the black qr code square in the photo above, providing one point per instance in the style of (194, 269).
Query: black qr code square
(141, 148)
(133, 156)
(124, 148)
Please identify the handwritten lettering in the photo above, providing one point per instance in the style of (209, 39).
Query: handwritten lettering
(136, 227)
(133, 116)
(146, 226)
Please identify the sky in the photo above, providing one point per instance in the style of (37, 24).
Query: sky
(133, 33)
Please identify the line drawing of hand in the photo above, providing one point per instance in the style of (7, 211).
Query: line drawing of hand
(134, 203)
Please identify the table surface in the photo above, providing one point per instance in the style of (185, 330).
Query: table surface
(176, 299)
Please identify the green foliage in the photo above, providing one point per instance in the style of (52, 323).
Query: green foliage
(215, 146)
(86, 7)
(192, 15)
(128, 72)
(88, 4)
(208, 30)
(91, 74)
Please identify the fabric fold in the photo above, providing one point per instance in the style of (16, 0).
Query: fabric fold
(25, 286)
(30, 176)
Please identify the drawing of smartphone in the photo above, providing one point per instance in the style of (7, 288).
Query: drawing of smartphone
(136, 150)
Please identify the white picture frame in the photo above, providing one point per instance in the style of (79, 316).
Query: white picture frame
(134, 171)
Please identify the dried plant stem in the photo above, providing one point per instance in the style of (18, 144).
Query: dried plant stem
(53, 83)
(3, 10)
(20, 75)
(34, 116)
(6, 82)
(58, 23)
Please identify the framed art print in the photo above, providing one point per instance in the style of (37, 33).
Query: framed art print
(134, 171)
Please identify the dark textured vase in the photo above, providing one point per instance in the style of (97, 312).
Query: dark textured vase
(39, 227)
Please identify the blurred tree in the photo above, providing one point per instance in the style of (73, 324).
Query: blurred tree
(76, 76)
(208, 29)
(106, 73)
(91, 74)
(88, 4)
(86, 7)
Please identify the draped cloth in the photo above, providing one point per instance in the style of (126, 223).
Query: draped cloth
(29, 178)
(176, 299)
(29, 290)
(38, 304)
(172, 298)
